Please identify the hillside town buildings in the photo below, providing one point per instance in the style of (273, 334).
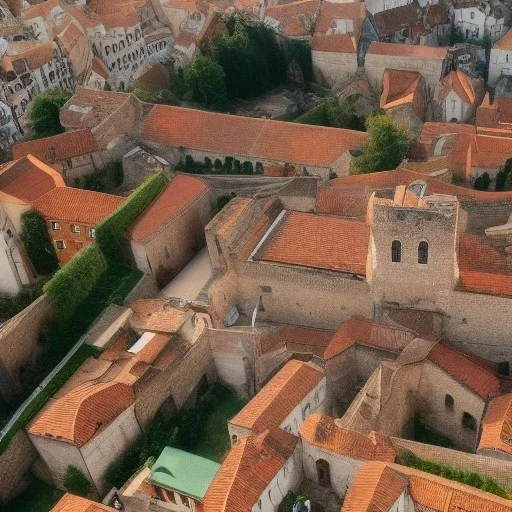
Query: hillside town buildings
(362, 319)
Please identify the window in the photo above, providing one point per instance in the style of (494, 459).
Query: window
(396, 251)
(55, 226)
(468, 422)
(91, 233)
(423, 253)
(472, 15)
(60, 244)
(234, 439)
(448, 402)
(75, 228)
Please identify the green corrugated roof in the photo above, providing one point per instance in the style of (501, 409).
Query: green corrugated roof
(183, 472)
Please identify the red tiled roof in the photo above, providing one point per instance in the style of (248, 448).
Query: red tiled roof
(273, 404)
(382, 336)
(408, 50)
(375, 488)
(460, 83)
(291, 15)
(399, 87)
(247, 470)
(83, 412)
(330, 11)
(59, 147)
(100, 68)
(72, 503)
(497, 425)
(181, 193)
(306, 337)
(478, 378)
(323, 432)
(335, 43)
(77, 205)
(255, 138)
(155, 315)
(505, 42)
(28, 178)
(343, 201)
(319, 241)
(154, 77)
(36, 54)
(390, 21)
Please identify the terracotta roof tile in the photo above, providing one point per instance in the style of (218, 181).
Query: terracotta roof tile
(247, 470)
(366, 332)
(154, 77)
(35, 53)
(408, 50)
(72, 503)
(157, 315)
(478, 378)
(335, 43)
(77, 205)
(291, 16)
(303, 336)
(59, 147)
(375, 488)
(497, 425)
(460, 83)
(319, 241)
(120, 20)
(346, 202)
(331, 11)
(83, 412)
(277, 399)
(251, 137)
(505, 42)
(323, 432)
(182, 192)
(392, 20)
(100, 68)
(28, 178)
(399, 87)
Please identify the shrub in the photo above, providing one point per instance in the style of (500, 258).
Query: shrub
(76, 482)
(43, 114)
(247, 167)
(10, 306)
(36, 239)
(70, 286)
(228, 164)
(218, 164)
(189, 162)
(237, 167)
(110, 231)
(208, 162)
(220, 202)
(483, 181)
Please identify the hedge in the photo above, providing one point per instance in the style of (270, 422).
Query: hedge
(75, 482)
(464, 477)
(110, 231)
(71, 285)
(36, 239)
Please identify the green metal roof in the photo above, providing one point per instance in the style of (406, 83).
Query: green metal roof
(183, 472)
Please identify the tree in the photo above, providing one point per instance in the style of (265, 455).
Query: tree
(43, 114)
(205, 81)
(76, 482)
(483, 181)
(37, 242)
(386, 148)
(343, 114)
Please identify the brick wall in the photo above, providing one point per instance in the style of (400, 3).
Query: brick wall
(19, 344)
(73, 242)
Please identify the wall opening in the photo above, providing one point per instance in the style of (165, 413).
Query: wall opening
(323, 472)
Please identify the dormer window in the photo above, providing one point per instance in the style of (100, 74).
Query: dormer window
(423, 253)
(396, 251)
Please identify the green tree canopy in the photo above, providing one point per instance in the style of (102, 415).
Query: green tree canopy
(36, 239)
(343, 114)
(76, 482)
(387, 146)
(205, 81)
(43, 114)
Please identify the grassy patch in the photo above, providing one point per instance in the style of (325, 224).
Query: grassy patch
(424, 434)
(464, 477)
(214, 442)
(39, 497)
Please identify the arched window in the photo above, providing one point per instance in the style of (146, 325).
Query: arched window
(396, 251)
(448, 402)
(468, 422)
(234, 439)
(423, 253)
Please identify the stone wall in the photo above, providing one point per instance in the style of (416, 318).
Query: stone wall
(498, 470)
(332, 68)
(15, 463)
(19, 344)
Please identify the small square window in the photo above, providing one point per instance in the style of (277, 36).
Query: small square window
(60, 244)
(75, 228)
(92, 233)
(55, 226)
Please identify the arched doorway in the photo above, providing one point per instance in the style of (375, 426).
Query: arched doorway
(323, 473)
